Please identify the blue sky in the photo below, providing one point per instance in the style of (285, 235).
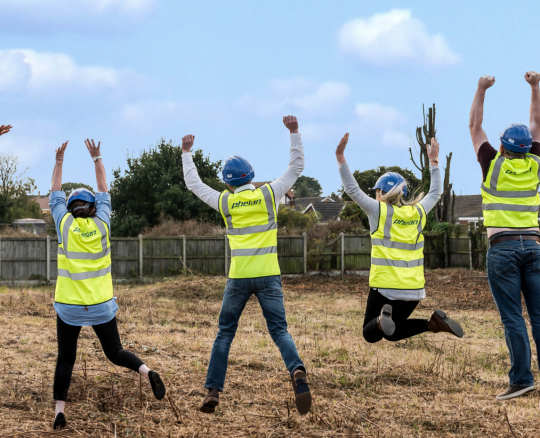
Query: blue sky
(128, 72)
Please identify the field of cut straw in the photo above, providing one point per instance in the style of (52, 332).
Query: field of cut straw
(433, 385)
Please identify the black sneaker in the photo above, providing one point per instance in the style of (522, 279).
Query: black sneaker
(386, 325)
(59, 421)
(157, 385)
(514, 391)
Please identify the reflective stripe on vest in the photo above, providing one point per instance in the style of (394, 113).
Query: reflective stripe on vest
(253, 246)
(511, 208)
(397, 251)
(84, 262)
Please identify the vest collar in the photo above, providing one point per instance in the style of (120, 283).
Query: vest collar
(245, 187)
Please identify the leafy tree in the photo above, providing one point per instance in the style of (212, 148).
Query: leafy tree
(352, 212)
(153, 188)
(68, 187)
(367, 179)
(291, 218)
(15, 187)
(305, 187)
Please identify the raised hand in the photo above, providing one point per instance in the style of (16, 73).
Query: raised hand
(4, 129)
(291, 122)
(532, 77)
(485, 82)
(433, 149)
(187, 143)
(340, 150)
(92, 148)
(60, 152)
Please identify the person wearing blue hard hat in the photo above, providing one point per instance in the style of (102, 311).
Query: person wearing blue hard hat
(84, 289)
(396, 277)
(510, 204)
(250, 217)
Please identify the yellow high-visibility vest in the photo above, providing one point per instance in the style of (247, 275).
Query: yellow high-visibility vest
(251, 220)
(84, 262)
(510, 192)
(397, 248)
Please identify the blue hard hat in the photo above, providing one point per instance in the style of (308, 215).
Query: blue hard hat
(81, 194)
(517, 138)
(237, 171)
(390, 180)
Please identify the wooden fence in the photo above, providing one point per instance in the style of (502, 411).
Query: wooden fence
(23, 258)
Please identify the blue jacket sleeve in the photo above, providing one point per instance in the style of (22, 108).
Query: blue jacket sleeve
(58, 205)
(103, 208)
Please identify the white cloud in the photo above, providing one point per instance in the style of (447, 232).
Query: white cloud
(39, 16)
(384, 123)
(299, 95)
(56, 73)
(395, 38)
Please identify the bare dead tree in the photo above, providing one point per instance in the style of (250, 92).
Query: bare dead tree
(445, 207)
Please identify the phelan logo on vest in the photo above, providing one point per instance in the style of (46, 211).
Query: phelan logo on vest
(87, 234)
(245, 204)
(402, 222)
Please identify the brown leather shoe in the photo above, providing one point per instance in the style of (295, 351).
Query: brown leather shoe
(301, 391)
(439, 322)
(210, 402)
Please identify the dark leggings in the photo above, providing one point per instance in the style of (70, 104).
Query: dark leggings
(67, 352)
(401, 310)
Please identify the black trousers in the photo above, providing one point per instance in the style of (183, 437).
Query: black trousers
(67, 352)
(401, 310)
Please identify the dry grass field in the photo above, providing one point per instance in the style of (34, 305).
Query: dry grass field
(433, 385)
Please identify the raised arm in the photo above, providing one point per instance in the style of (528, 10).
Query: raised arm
(56, 183)
(4, 129)
(351, 187)
(95, 153)
(431, 199)
(296, 163)
(476, 117)
(533, 78)
(193, 181)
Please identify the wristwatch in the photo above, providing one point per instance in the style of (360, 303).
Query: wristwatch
(435, 160)
(96, 158)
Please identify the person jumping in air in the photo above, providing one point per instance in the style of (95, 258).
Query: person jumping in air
(250, 217)
(510, 203)
(396, 278)
(84, 289)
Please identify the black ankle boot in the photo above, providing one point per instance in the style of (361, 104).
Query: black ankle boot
(59, 421)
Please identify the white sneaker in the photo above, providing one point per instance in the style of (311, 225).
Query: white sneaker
(514, 391)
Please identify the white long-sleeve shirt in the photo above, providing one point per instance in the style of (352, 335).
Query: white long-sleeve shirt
(280, 186)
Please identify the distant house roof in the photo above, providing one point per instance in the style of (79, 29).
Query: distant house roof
(290, 194)
(328, 210)
(43, 202)
(468, 206)
(302, 203)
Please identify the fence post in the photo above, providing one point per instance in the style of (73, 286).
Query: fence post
(304, 237)
(141, 256)
(445, 243)
(470, 252)
(48, 258)
(184, 261)
(342, 253)
(226, 257)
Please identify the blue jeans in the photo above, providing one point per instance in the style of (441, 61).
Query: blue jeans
(237, 292)
(514, 267)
